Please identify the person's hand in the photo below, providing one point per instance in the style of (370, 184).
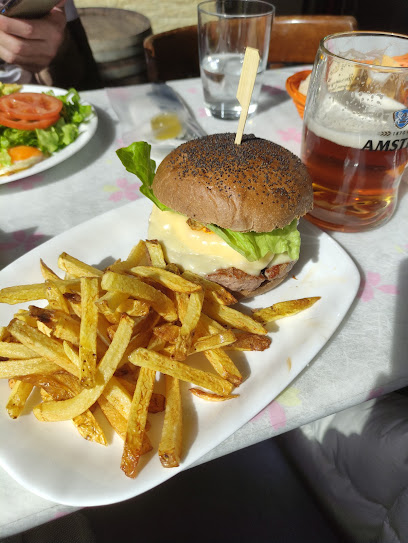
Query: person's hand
(32, 43)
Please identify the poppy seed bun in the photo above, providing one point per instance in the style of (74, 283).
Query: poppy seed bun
(256, 186)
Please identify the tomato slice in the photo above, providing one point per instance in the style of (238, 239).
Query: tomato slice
(23, 124)
(30, 106)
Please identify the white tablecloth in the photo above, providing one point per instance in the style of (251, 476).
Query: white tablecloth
(365, 358)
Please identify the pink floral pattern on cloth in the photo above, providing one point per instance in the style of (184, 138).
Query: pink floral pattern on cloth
(370, 284)
(123, 190)
(290, 134)
(28, 182)
(276, 409)
(23, 239)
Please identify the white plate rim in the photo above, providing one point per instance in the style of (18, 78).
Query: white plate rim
(86, 131)
(140, 209)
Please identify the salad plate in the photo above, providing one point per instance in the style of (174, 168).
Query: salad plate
(86, 131)
(52, 460)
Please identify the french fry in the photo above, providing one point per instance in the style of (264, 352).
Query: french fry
(108, 303)
(17, 398)
(44, 346)
(210, 397)
(232, 317)
(284, 309)
(47, 272)
(68, 409)
(156, 255)
(224, 365)
(27, 366)
(213, 291)
(189, 323)
(132, 449)
(246, 341)
(76, 268)
(88, 330)
(55, 297)
(15, 350)
(138, 256)
(22, 293)
(170, 445)
(166, 279)
(164, 364)
(136, 288)
(214, 341)
(119, 423)
(134, 308)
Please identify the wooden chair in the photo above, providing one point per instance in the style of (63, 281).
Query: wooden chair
(294, 40)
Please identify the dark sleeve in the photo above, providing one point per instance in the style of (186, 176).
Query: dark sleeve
(74, 65)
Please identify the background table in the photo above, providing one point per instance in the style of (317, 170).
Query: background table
(365, 358)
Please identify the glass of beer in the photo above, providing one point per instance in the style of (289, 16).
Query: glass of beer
(355, 129)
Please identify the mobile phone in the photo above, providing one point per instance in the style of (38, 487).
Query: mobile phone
(27, 9)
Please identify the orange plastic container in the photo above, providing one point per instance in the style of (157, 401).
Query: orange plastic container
(292, 88)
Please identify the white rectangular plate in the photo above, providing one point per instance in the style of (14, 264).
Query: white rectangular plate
(53, 461)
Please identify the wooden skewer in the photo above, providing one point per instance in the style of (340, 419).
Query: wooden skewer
(246, 86)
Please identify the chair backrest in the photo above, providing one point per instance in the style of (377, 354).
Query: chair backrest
(294, 39)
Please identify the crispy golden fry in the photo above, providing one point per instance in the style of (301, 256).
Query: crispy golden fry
(55, 297)
(189, 321)
(224, 365)
(250, 342)
(68, 409)
(72, 353)
(232, 317)
(156, 255)
(22, 293)
(164, 364)
(15, 350)
(215, 341)
(47, 272)
(213, 291)
(156, 343)
(138, 256)
(118, 396)
(210, 397)
(108, 303)
(137, 422)
(89, 428)
(172, 433)
(134, 308)
(77, 268)
(27, 366)
(62, 388)
(88, 330)
(119, 423)
(167, 332)
(17, 398)
(284, 309)
(136, 288)
(166, 279)
(45, 346)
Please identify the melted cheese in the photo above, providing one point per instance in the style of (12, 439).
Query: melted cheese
(198, 251)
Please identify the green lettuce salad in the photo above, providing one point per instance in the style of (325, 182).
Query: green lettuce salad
(52, 139)
(252, 245)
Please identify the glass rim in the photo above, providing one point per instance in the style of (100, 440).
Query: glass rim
(270, 11)
(353, 33)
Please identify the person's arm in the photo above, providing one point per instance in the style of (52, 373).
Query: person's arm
(32, 44)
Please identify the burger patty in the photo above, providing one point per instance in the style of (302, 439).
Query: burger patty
(237, 280)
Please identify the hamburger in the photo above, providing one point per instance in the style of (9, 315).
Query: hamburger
(225, 211)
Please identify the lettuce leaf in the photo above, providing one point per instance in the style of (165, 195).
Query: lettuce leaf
(255, 245)
(252, 245)
(136, 159)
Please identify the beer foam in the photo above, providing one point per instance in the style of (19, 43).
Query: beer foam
(351, 118)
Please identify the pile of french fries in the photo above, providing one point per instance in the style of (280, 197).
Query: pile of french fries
(104, 335)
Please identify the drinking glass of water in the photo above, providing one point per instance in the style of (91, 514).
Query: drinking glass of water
(355, 129)
(225, 29)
